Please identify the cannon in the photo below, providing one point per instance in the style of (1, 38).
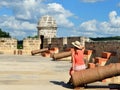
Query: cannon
(38, 51)
(61, 55)
(95, 74)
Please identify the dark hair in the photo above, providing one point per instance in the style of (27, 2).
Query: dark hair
(75, 47)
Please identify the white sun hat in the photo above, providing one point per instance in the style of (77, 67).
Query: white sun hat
(77, 44)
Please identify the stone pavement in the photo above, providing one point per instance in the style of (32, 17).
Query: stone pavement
(37, 73)
(33, 73)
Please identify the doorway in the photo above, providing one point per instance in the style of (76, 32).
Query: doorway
(42, 40)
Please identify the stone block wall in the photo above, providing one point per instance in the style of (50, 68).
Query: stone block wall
(100, 46)
(55, 42)
(8, 45)
(72, 39)
(63, 42)
(30, 44)
(46, 42)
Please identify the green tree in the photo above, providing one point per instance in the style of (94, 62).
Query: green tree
(33, 36)
(106, 38)
(4, 34)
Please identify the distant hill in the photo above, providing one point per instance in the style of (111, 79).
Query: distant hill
(106, 38)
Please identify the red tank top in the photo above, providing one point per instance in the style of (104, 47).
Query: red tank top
(78, 57)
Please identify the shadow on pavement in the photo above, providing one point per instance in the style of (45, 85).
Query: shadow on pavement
(61, 83)
(110, 86)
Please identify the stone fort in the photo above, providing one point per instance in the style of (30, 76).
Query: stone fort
(47, 29)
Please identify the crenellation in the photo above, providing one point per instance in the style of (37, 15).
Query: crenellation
(62, 42)
(31, 44)
(7, 45)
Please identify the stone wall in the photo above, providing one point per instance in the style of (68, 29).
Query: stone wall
(63, 42)
(55, 42)
(100, 46)
(30, 44)
(7, 45)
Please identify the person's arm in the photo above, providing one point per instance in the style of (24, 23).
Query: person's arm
(83, 49)
(73, 61)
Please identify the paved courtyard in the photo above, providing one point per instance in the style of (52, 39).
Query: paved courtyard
(37, 73)
(33, 73)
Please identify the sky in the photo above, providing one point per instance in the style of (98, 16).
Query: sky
(88, 18)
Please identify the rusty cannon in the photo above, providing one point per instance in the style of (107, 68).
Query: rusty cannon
(61, 55)
(38, 51)
(95, 74)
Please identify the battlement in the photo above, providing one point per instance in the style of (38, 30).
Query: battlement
(107, 46)
(8, 45)
(63, 42)
(31, 44)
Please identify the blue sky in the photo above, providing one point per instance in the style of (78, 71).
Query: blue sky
(89, 18)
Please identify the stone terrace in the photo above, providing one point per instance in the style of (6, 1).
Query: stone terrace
(37, 73)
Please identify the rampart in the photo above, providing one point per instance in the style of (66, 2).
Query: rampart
(30, 44)
(108, 46)
(64, 42)
(9, 45)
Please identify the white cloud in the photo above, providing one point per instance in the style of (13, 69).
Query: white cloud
(59, 9)
(17, 28)
(26, 14)
(18, 33)
(12, 23)
(94, 28)
(114, 19)
(62, 21)
(61, 15)
(89, 25)
(91, 1)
